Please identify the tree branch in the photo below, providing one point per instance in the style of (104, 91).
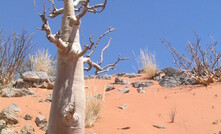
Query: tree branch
(102, 51)
(52, 38)
(98, 40)
(98, 68)
(85, 5)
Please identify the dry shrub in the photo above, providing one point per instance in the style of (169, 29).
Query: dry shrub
(13, 51)
(146, 60)
(94, 102)
(199, 63)
(42, 61)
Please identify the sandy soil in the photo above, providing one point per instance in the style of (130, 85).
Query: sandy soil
(196, 109)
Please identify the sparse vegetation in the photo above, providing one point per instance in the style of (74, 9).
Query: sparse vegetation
(13, 51)
(94, 104)
(42, 61)
(172, 115)
(147, 62)
(199, 63)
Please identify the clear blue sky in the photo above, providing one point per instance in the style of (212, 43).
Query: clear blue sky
(138, 23)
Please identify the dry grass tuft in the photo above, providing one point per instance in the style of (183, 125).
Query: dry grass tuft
(94, 103)
(147, 62)
(42, 61)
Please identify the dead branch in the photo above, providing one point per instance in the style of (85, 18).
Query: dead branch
(87, 47)
(98, 68)
(102, 51)
(52, 38)
(98, 40)
(85, 5)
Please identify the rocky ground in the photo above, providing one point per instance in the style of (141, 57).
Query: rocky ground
(132, 105)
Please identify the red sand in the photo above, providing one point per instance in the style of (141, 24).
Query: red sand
(197, 107)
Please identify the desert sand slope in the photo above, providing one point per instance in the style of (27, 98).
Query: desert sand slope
(198, 109)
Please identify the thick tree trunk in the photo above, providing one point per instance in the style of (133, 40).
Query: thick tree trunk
(67, 114)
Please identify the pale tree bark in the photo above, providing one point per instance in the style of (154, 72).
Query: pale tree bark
(67, 114)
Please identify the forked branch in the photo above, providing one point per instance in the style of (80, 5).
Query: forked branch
(98, 40)
(98, 68)
(52, 38)
(79, 5)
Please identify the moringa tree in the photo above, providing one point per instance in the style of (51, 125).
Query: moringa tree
(67, 114)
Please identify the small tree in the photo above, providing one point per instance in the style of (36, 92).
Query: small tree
(67, 114)
(13, 51)
(201, 64)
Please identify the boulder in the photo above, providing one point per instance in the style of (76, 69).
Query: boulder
(41, 121)
(171, 71)
(27, 129)
(19, 83)
(142, 84)
(48, 98)
(119, 80)
(35, 76)
(125, 90)
(170, 82)
(7, 130)
(14, 92)
(28, 117)
(50, 85)
(109, 88)
(9, 116)
(14, 107)
(141, 90)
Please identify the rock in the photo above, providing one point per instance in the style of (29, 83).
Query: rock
(45, 128)
(121, 81)
(131, 75)
(41, 121)
(43, 85)
(9, 116)
(109, 88)
(21, 84)
(136, 84)
(50, 85)
(120, 74)
(124, 106)
(27, 129)
(2, 123)
(52, 79)
(142, 84)
(7, 130)
(157, 78)
(14, 107)
(28, 117)
(140, 71)
(159, 126)
(215, 122)
(34, 76)
(89, 77)
(48, 98)
(104, 77)
(169, 82)
(146, 84)
(14, 92)
(123, 91)
(171, 71)
(141, 90)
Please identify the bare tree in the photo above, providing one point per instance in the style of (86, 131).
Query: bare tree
(67, 114)
(13, 51)
(201, 64)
